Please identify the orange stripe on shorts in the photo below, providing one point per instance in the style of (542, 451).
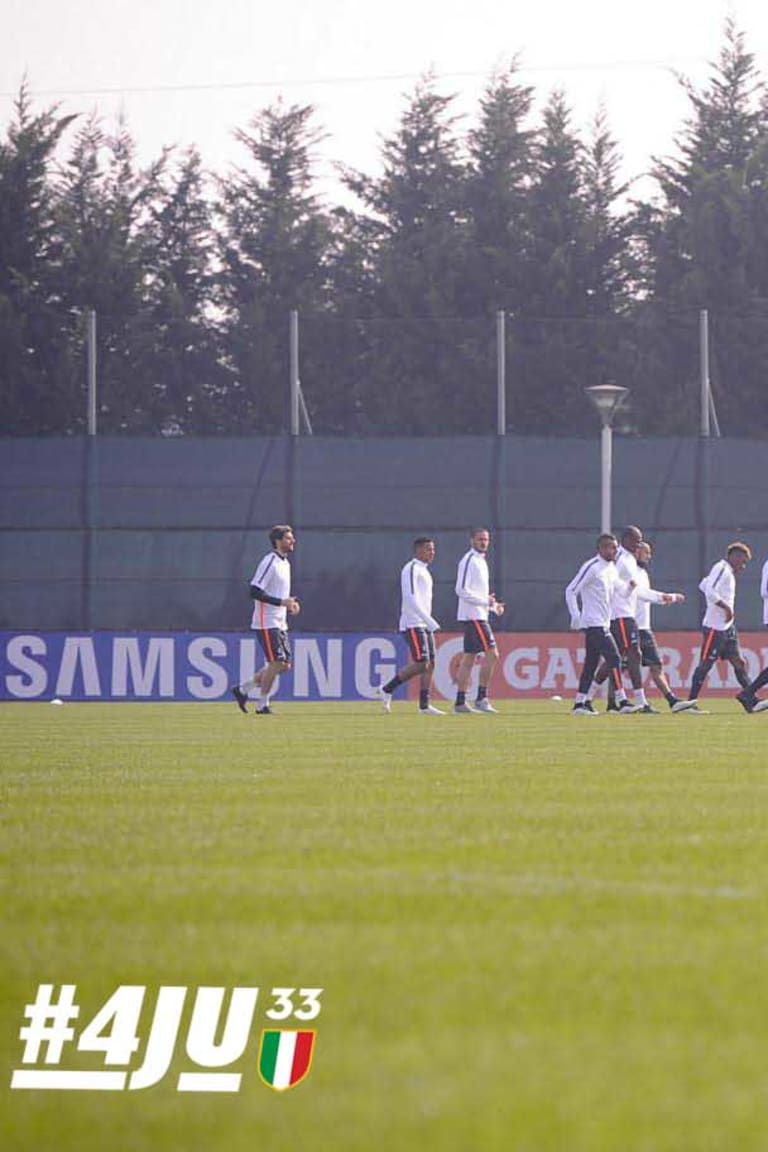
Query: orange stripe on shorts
(270, 649)
(483, 638)
(707, 644)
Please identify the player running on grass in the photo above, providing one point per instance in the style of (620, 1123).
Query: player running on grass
(648, 648)
(721, 640)
(417, 625)
(273, 602)
(476, 602)
(588, 597)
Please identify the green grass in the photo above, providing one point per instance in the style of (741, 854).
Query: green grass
(533, 931)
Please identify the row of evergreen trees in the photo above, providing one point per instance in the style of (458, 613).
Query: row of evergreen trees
(193, 276)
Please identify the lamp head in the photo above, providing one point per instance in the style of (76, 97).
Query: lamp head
(607, 398)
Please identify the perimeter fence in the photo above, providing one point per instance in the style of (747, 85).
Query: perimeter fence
(335, 375)
(130, 533)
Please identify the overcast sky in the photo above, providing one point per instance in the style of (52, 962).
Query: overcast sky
(191, 71)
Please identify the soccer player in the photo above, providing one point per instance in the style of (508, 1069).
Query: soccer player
(623, 622)
(721, 640)
(748, 696)
(588, 597)
(273, 602)
(418, 626)
(476, 602)
(645, 597)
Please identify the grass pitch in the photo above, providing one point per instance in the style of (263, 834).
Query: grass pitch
(533, 931)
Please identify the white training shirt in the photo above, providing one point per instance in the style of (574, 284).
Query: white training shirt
(273, 576)
(593, 586)
(416, 597)
(645, 597)
(624, 598)
(473, 586)
(720, 584)
(764, 591)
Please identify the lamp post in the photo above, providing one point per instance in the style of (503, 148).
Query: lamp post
(607, 398)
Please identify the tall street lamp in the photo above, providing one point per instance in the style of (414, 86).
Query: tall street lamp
(607, 398)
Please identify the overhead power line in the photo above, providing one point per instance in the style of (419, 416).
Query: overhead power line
(328, 81)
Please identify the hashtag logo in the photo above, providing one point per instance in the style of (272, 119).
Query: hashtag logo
(48, 1023)
(218, 1036)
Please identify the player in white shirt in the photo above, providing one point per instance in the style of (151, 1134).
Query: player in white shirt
(748, 696)
(273, 602)
(721, 640)
(588, 597)
(417, 625)
(476, 602)
(627, 603)
(645, 597)
(623, 622)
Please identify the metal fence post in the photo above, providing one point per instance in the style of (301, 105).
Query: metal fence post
(293, 330)
(501, 374)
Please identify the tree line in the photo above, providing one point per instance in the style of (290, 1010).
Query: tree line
(193, 275)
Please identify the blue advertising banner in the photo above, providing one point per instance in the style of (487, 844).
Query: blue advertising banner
(135, 666)
(188, 666)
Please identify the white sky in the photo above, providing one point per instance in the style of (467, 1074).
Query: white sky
(191, 71)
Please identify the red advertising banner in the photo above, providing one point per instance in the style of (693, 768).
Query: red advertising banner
(535, 665)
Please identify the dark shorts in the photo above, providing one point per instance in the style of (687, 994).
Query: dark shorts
(421, 645)
(478, 636)
(274, 644)
(720, 645)
(600, 642)
(624, 632)
(650, 652)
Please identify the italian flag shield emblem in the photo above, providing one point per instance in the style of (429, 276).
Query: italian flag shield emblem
(285, 1057)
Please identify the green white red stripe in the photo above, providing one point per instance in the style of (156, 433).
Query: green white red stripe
(285, 1057)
